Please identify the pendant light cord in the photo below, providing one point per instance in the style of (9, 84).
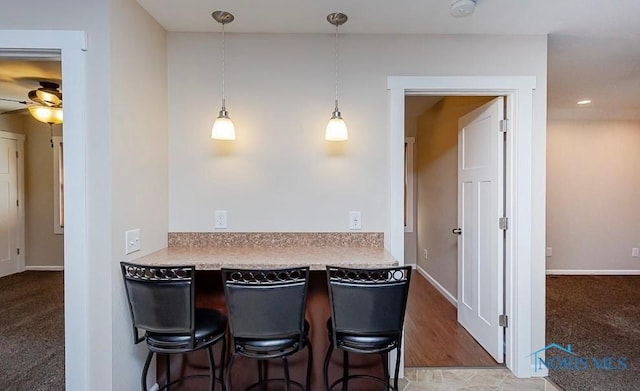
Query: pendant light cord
(223, 64)
(335, 49)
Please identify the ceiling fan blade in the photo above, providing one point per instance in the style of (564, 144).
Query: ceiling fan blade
(24, 102)
(18, 111)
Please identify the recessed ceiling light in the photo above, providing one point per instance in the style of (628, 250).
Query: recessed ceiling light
(584, 102)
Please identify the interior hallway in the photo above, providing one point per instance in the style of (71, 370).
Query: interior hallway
(433, 336)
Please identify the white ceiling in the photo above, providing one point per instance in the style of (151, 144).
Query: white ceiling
(594, 46)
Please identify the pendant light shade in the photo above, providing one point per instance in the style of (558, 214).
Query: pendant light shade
(223, 128)
(336, 128)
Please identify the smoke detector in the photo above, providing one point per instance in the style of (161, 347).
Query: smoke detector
(460, 8)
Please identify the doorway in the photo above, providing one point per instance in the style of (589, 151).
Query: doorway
(526, 319)
(440, 332)
(70, 45)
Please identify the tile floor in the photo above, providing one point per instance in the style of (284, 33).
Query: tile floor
(490, 379)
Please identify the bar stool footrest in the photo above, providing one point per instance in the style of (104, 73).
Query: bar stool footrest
(352, 377)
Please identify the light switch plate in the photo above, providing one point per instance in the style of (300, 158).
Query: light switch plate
(132, 241)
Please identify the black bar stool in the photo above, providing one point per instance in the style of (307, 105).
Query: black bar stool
(162, 303)
(266, 318)
(367, 313)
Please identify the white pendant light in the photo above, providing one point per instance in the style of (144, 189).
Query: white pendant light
(223, 128)
(336, 128)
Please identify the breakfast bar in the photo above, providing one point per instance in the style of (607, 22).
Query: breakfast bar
(210, 252)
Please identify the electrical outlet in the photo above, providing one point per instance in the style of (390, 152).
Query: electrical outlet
(635, 252)
(132, 241)
(355, 220)
(425, 254)
(549, 252)
(221, 219)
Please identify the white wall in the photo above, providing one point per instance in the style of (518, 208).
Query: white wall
(593, 215)
(43, 247)
(139, 167)
(126, 161)
(280, 175)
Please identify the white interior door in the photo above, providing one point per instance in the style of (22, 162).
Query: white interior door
(8, 207)
(480, 241)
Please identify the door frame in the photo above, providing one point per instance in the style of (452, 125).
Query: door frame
(518, 91)
(71, 45)
(19, 138)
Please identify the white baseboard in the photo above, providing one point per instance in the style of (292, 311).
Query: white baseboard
(542, 372)
(601, 272)
(154, 387)
(44, 268)
(440, 288)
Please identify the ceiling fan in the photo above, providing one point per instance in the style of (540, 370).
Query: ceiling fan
(45, 103)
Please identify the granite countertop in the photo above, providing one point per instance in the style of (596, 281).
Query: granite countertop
(317, 258)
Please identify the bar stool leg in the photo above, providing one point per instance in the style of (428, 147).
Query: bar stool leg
(309, 364)
(212, 369)
(385, 367)
(143, 378)
(227, 373)
(285, 362)
(398, 353)
(168, 370)
(345, 371)
(261, 365)
(327, 360)
(223, 355)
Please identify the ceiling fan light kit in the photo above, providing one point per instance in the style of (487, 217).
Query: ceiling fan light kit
(46, 114)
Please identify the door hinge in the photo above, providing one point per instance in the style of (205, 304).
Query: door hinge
(18, 203)
(18, 251)
(503, 223)
(16, 154)
(504, 125)
(503, 321)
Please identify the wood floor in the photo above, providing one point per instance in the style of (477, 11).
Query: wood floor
(433, 336)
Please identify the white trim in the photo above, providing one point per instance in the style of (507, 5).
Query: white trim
(518, 268)
(44, 268)
(154, 387)
(72, 45)
(411, 180)
(542, 372)
(443, 291)
(597, 272)
(56, 141)
(21, 203)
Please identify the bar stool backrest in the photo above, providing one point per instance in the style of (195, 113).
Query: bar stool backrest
(266, 303)
(368, 301)
(161, 299)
